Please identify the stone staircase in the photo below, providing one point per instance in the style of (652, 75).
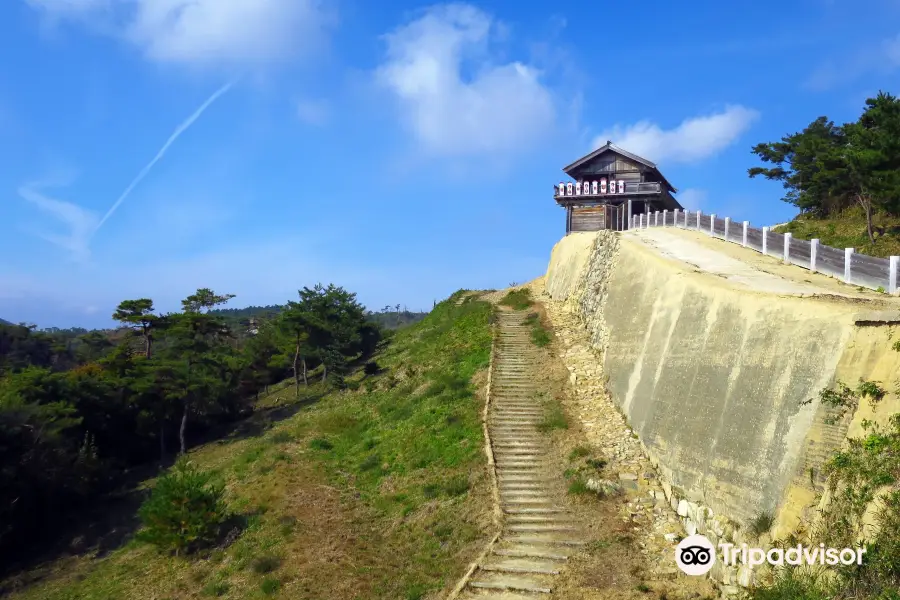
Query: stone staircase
(538, 534)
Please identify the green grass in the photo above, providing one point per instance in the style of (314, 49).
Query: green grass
(579, 452)
(517, 299)
(578, 487)
(795, 584)
(554, 417)
(848, 230)
(761, 523)
(540, 336)
(403, 461)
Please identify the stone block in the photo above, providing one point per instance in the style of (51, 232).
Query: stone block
(745, 576)
(682, 508)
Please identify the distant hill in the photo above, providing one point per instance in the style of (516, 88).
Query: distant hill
(387, 319)
(2, 322)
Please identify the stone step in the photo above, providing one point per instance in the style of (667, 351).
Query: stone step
(539, 527)
(508, 478)
(550, 518)
(536, 481)
(507, 493)
(501, 456)
(518, 500)
(550, 538)
(533, 551)
(538, 584)
(478, 594)
(521, 565)
(534, 510)
(513, 453)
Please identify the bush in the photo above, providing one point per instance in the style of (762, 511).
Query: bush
(517, 299)
(761, 523)
(371, 368)
(269, 586)
(265, 564)
(184, 511)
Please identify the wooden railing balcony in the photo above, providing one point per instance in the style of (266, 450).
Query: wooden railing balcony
(632, 188)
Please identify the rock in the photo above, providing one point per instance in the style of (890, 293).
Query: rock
(604, 487)
(745, 576)
(682, 508)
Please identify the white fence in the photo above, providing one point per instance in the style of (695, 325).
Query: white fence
(856, 269)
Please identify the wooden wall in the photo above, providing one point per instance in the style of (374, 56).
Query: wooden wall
(589, 218)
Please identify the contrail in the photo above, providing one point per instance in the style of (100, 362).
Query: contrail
(175, 135)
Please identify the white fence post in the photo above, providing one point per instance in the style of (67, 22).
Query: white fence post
(656, 219)
(698, 219)
(665, 214)
(727, 226)
(675, 218)
(630, 214)
(765, 239)
(712, 224)
(892, 275)
(848, 252)
(813, 253)
(641, 221)
(787, 248)
(744, 237)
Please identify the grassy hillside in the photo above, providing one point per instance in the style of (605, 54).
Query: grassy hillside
(378, 491)
(848, 230)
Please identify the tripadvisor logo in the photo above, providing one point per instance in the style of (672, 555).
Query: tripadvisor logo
(696, 555)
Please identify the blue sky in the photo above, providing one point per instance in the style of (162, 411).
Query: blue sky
(402, 150)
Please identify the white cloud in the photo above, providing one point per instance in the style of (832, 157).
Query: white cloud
(692, 198)
(313, 112)
(878, 58)
(206, 32)
(891, 48)
(455, 100)
(79, 222)
(693, 140)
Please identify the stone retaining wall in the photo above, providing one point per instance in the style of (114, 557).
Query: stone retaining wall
(712, 377)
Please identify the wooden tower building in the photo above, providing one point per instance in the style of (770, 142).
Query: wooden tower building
(611, 184)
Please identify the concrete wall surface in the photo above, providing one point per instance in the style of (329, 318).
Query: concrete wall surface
(712, 373)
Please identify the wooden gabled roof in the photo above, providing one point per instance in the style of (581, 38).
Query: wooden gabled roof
(610, 147)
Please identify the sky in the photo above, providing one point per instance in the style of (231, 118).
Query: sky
(401, 150)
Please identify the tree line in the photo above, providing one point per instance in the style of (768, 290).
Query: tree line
(826, 168)
(76, 410)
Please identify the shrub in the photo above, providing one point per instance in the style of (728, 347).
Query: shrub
(761, 523)
(320, 444)
(579, 451)
(269, 586)
(265, 564)
(540, 336)
(371, 368)
(457, 486)
(184, 511)
(578, 486)
(215, 589)
(517, 299)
